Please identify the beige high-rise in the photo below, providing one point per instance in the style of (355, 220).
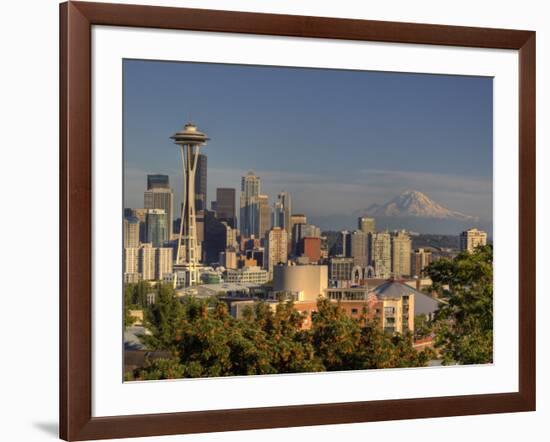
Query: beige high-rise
(472, 238)
(381, 254)
(276, 248)
(401, 254)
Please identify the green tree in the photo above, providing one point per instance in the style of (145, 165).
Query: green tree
(464, 324)
(162, 319)
(159, 369)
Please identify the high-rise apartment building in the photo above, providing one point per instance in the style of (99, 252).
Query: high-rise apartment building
(366, 225)
(131, 232)
(421, 259)
(146, 260)
(359, 248)
(301, 231)
(472, 238)
(163, 262)
(155, 223)
(225, 206)
(249, 213)
(381, 254)
(401, 254)
(201, 183)
(276, 248)
(147, 263)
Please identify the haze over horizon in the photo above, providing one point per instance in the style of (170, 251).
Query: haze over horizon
(338, 141)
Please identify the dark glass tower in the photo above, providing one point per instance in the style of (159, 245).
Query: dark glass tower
(200, 183)
(225, 206)
(158, 182)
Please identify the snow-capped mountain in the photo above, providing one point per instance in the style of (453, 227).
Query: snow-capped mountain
(413, 203)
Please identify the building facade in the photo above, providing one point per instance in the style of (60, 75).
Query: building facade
(249, 208)
(276, 248)
(225, 206)
(381, 254)
(472, 238)
(155, 221)
(250, 275)
(161, 198)
(300, 282)
(421, 259)
(366, 225)
(131, 232)
(401, 254)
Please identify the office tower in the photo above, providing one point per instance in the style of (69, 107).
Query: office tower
(276, 248)
(401, 254)
(381, 254)
(225, 206)
(310, 247)
(421, 259)
(217, 235)
(359, 248)
(190, 141)
(340, 269)
(366, 225)
(160, 198)
(155, 221)
(131, 232)
(342, 247)
(472, 238)
(265, 215)
(201, 183)
(158, 182)
(250, 189)
(285, 204)
(278, 218)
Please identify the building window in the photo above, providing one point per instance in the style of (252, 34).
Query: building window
(353, 311)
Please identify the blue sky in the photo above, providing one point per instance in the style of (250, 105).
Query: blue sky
(337, 140)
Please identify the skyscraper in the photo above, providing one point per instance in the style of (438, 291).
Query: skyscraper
(472, 238)
(249, 216)
(225, 206)
(158, 181)
(265, 215)
(201, 183)
(366, 225)
(401, 254)
(190, 141)
(381, 254)
(159, 196)
(276, 248)
(155, 222)
(359, 250)
(286, 207)
(131, 232)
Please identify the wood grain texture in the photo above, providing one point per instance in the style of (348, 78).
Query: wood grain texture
(76, 421)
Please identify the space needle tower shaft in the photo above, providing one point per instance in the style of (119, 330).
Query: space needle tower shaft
(190, 141)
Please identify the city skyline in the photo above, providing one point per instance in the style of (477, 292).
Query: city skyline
(362, 174)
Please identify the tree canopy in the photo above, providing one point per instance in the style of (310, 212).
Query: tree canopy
(463, 326)
(205, 340)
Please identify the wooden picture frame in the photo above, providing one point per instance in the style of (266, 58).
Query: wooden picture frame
(76, 421)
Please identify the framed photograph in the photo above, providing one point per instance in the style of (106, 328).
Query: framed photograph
(273, 220)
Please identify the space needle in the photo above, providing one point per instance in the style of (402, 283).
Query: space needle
(190, 139)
